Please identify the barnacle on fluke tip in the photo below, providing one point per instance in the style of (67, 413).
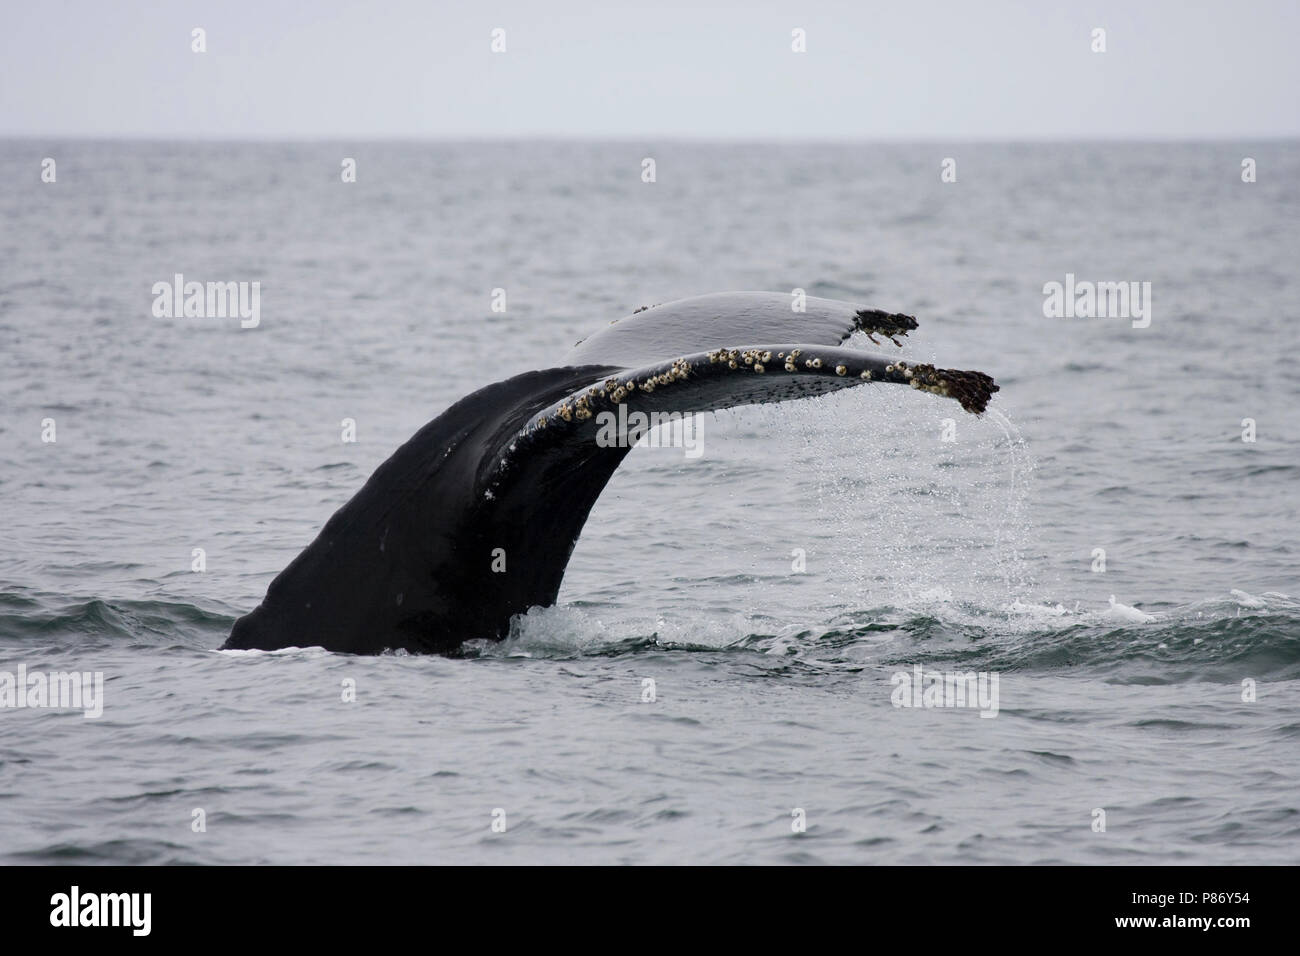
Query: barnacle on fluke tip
(889, 324)
(972, 389)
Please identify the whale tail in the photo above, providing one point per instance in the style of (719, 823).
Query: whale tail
(473, 520)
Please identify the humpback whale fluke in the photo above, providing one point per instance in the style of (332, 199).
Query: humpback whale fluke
(515, 468)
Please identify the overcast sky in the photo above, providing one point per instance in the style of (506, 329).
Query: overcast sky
(902, 69)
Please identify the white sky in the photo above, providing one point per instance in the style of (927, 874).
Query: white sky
(903, 69)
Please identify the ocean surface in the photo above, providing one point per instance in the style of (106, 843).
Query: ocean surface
(1103, 541)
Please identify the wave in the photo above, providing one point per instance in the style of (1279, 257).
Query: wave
(1230, 638)
(64, 623)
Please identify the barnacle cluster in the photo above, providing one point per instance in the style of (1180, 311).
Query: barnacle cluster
(972, 389)
(679, 370)
(889, 324)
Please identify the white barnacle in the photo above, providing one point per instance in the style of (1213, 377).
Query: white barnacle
(841, 369)
(758, 367)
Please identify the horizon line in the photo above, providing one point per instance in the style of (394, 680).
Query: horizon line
(641, 138)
